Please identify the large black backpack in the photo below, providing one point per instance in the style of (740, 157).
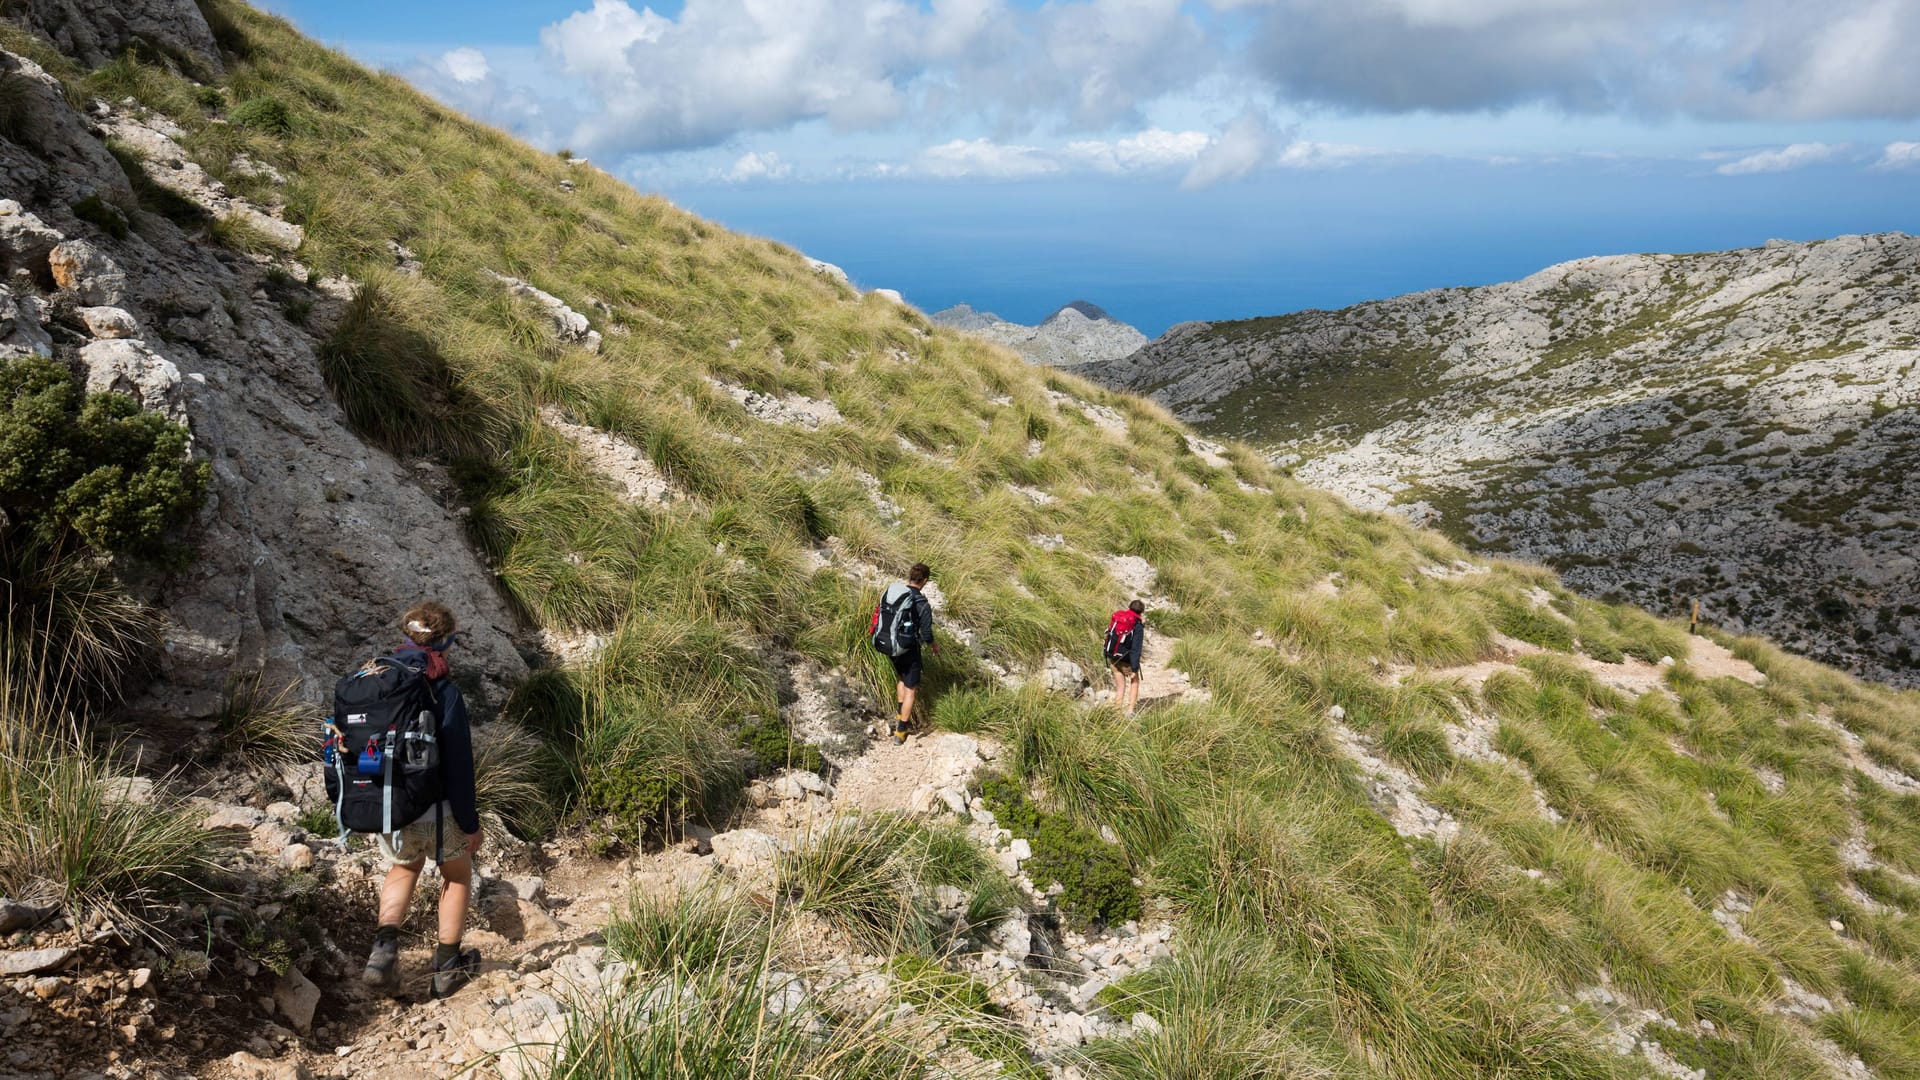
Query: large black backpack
(895, 629)
(382, 752)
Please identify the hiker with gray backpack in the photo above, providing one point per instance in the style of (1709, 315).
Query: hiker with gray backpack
(399, 765)
(902, 622)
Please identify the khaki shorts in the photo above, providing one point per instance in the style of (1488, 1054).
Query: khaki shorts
(414, 842)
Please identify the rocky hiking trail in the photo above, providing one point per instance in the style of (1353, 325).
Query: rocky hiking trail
(539, 919)
(543, 937)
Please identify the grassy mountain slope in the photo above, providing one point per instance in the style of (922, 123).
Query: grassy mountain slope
(1737, 426)
(1598, 835)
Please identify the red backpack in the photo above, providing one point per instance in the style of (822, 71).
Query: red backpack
(1120, 631)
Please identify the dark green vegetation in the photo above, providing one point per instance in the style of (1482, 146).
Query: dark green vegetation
(1097, 880)
(1314, 940)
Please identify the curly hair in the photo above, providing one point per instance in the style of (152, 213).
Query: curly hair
(426, 623)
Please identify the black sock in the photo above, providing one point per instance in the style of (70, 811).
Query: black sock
(444, 954)
(386, 935)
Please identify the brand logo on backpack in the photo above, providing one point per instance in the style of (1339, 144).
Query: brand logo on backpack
(383, 762)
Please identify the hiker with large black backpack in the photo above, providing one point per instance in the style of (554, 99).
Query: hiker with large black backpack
(399, 765)
(1125, 645)
(902, 622)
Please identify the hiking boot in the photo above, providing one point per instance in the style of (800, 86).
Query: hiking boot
(451, 975)
(383, 966)
(900, 732)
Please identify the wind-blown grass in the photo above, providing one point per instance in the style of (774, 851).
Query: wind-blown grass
(1314, 940)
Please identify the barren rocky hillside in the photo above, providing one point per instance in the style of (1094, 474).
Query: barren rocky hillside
(310, 347)
(1740, 427)
(1077, 333)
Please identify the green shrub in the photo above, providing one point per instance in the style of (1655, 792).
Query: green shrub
(1095, 876)
(773, 748)
(1537, 626)
(264, 114)
(93, 467)
(102, 215)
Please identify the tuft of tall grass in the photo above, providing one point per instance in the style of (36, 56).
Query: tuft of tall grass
(74, 837)
(874, 878)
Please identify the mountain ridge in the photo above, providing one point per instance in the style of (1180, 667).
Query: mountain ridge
(1077, 332)
(1459, 405)
(1388, 811)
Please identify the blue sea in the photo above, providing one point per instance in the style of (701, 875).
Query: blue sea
(1154, 256)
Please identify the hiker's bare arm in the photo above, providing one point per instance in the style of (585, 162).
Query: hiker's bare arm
(474, 840)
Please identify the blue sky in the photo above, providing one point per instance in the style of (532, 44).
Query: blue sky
(1177, 159)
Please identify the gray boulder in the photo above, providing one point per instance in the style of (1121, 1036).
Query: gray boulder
(95, 31)
(132, 367)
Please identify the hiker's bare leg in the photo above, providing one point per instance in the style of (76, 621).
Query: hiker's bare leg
(396, 893)
(1133, 691)
(907, 694)
(456, 879)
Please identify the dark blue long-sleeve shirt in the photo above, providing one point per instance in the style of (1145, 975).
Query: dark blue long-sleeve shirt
(456, 744)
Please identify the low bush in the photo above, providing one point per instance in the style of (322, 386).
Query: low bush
(90, 467)
(1096, 880)
(264, 114)
(773, 747)
(1536, 626)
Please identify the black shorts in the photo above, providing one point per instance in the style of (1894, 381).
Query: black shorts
(906, 668)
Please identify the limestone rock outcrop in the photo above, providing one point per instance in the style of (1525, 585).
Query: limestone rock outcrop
(311, 542)
(1741, 427)
(1077, 333)
(95, 31)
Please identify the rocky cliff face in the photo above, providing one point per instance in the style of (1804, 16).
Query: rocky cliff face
(311, 542)
(94, 32)
(1742, 427)
(1078, 333)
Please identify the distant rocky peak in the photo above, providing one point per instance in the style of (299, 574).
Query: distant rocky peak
(1080, 332)
(1085, 309)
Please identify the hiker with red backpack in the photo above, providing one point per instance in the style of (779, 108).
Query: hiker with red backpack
(399, 765)
(1125, 644)
(902, 622)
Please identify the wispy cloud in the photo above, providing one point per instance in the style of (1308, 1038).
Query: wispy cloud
(984, 158)
(1246, 144)
(1899, 155)
(1786, 158)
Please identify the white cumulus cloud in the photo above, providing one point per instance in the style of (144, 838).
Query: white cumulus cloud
(755, 165)
(1246, 144)
(984, 158)
(466, 65)
(1899, 155)
(1151, 149)
(1797, 156)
